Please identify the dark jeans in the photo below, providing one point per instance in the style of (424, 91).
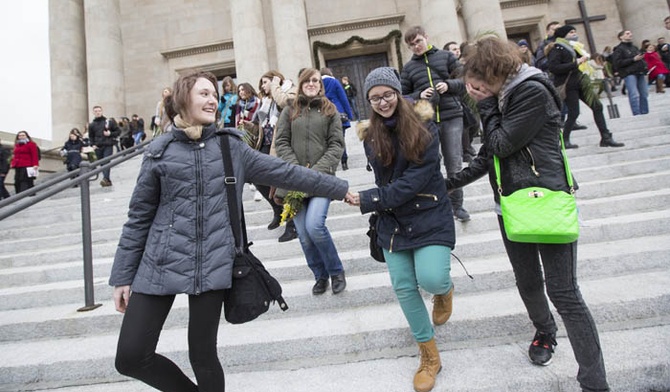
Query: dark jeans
(572, 98)
(21, 180)
(104, 152)
(451, 145)
(142, 324)
(3, 191)
(560, 274)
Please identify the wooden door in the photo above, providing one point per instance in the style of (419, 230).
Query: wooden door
(357, 68)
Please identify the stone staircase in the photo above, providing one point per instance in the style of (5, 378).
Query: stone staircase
(359, 340)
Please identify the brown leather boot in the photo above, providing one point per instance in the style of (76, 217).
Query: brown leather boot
(660, 87)
(424, 379)
(442, 307)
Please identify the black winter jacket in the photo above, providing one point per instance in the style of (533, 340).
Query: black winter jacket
(414, 209)
(427, 70)
(97, 128)
(623, 62)
(524, 134)
(562, 63)
(4, 160)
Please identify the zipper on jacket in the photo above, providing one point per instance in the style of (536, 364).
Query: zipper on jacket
(430, 80)
(391, 244)
(199, 219)
(532, 163)
(434, 197)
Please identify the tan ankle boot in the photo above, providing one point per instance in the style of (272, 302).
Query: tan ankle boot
(660, 87)
(424, 379)
(442, 307)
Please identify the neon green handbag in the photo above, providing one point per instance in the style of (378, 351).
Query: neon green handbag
(540, 215)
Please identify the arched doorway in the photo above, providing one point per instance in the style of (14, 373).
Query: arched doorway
(357, 68)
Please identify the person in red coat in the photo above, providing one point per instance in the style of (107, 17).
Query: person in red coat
(657, 70)
(25, 162)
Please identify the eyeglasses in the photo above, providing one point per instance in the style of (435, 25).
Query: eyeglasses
(388, 96)
(313, 81)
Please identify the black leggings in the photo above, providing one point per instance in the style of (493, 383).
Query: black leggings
(142, 324)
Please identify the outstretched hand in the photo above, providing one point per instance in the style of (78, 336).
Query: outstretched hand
(353, 199)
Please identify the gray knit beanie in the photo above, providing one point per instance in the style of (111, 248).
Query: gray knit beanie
(382, 76)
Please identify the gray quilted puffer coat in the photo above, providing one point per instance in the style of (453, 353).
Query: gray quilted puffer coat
(178, 237)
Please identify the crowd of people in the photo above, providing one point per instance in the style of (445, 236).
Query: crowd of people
(287, 142)
(422, 124)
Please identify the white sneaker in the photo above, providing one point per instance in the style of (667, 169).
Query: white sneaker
(252, 187)
(258, 196)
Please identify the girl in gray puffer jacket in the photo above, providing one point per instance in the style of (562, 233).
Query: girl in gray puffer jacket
(178, 236)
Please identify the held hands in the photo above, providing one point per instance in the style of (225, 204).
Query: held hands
(121, 298)
(353, 199)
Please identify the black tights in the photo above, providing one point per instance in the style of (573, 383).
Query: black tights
(142, 324)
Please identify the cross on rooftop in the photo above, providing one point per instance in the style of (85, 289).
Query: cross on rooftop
(586, 21)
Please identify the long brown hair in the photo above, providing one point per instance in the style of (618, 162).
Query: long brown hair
(327, 108)
(269, 74)
(413, 136)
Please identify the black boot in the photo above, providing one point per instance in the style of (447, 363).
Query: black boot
(609, 142)
(344, 165)
(339, 283)
(275, 222)
(290, 233)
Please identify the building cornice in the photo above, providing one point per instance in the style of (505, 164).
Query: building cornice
(389, 20)
(520, 3)
(197, 49)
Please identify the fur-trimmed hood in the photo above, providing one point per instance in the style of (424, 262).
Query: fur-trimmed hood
(422, 107)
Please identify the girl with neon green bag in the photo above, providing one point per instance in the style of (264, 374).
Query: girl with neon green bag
(520, 112)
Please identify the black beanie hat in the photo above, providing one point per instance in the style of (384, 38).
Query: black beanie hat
(561, 32)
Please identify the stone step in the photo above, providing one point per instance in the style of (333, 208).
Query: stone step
(43, 319)
(107, 201)
(327, 336)
(632, 359)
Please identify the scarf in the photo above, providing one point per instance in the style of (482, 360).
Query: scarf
(194, 132)
(268, 113)
(513, 80)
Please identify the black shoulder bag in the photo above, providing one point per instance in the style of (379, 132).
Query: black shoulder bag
(253, 288)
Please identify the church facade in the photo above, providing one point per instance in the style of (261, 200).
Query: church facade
(120, 54)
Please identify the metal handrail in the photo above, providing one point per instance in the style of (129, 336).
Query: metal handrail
(86, 172)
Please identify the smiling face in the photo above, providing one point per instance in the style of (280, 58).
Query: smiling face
(203, 101)
(383, 100)
(311, 85)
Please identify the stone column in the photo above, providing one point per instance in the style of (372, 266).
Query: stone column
(483, 16)
(643, 21)
(67, 45)
(290, 30)
(440, 20)
(104, 57)
(251, 59)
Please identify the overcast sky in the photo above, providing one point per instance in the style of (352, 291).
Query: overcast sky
(25, 80)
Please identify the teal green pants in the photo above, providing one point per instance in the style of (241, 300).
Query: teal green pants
(428, 267)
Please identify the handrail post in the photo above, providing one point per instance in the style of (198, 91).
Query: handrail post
(86, 239)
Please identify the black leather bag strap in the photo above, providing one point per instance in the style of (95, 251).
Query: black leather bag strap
(239, 230)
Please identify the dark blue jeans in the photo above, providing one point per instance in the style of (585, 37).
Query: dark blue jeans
(560, 277)
(104, 152)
